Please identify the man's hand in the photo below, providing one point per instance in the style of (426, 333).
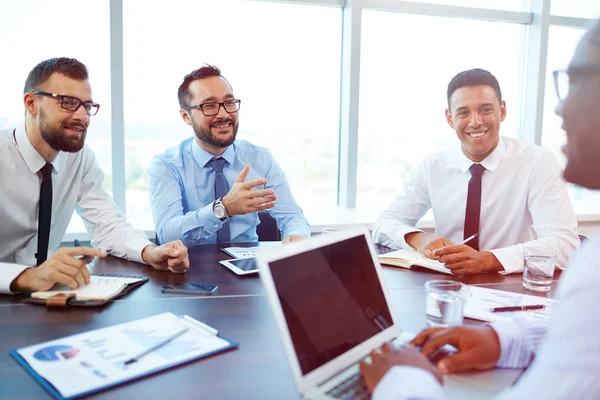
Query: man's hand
(464, 260)
(426, 243)
(172, 256)
(478, 347)
(293, 238)
(62, 267)
(389, 356)
(241, 199)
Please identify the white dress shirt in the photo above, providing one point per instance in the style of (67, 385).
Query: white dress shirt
(77, 184)
(566, 364)
(524, 201)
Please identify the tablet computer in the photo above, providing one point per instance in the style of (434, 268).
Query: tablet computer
(241, 266)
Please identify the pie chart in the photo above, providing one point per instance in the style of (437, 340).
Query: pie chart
(56, 353)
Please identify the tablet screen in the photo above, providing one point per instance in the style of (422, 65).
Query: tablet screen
(245, 264)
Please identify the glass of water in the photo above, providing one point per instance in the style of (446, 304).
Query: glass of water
(445, 302)
(538, 268)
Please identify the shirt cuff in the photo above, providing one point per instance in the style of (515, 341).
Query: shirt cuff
(511, 260)
(136, 247)
(10, 272)
(511, 346)
(403, 382)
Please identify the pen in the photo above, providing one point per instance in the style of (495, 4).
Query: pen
(77, 243)
(518, 308)
(156, 346)
(469, 238)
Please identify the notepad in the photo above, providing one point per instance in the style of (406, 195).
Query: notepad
(406, 258)
(100, 288)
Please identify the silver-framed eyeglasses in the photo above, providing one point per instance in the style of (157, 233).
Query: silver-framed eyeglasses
(213, 107)
(72, 103)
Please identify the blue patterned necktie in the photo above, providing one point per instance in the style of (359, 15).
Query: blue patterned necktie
(220, 191)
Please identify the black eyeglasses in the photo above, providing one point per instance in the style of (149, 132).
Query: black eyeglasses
(213, 107)
(563, 79)
(72, 103)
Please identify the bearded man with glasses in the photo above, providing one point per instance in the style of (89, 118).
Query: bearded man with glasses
(46, 173)
(209, 188)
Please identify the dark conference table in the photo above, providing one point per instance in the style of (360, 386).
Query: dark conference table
(257, 369)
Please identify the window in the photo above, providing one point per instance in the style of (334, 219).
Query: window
(561, 45)
(505, 5)
(405, 70)
(35, 37)
(283, 61)
(575, 8)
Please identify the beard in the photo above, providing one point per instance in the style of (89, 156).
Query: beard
(207, 137)
(55, 136)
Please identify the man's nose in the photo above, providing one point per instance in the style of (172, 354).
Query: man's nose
(80, 114)
(476, 120)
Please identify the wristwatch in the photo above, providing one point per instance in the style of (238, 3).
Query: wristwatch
(220, 210)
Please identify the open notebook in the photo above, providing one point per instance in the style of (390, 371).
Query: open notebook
(406, 258)
(100, 290)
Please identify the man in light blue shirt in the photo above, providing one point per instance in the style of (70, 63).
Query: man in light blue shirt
(566, 364)
(209, 188)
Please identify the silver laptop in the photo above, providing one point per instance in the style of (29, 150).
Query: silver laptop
(331, 307)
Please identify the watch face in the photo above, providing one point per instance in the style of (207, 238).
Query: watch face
(220, 211)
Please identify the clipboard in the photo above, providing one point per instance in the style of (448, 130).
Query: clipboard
(26, 356)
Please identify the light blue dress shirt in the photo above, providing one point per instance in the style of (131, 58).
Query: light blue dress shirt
(181, 185)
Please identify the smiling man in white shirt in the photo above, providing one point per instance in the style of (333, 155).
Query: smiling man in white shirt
(520, 198)
(566, 347)
(46, 172)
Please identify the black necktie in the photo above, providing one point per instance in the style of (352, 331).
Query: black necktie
(473, 206)
(45, 214)
(220, 191)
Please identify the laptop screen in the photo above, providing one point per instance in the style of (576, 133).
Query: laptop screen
(332, 300)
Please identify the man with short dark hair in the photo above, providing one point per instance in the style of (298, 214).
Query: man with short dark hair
(209, 188)
(497, 193)
(46, 172)
(566, 347)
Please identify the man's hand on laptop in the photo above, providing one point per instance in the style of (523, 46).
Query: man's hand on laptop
(426, 243)
(464, 260)
(478, 347)
(389, 356)
(241, 199)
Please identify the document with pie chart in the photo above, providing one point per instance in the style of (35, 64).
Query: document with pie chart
(81, 364)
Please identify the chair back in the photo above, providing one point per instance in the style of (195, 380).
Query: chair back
(267, 230)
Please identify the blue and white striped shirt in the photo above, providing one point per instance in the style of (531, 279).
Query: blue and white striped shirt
(567, 361)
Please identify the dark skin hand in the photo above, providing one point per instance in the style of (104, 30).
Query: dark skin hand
(478, 347)
(389, 356)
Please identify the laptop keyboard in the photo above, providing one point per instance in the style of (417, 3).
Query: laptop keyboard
(352, 388)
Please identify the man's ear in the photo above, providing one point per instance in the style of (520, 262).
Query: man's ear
(449, 118)
(185, 116)
(29, 102)
(502, 110)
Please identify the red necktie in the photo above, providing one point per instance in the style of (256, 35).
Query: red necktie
(473, 206)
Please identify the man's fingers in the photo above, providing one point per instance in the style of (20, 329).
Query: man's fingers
(254, 182)
(424, 335)
(260, 200)
(449, 250)
(458, 362)
(388, 348)
(252, 194)
(242, 176)
(447, 336)
(83, 251)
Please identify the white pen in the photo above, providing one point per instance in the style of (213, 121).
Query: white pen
(469, 238)
(156, 346)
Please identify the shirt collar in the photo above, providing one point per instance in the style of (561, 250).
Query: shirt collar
(32, 158)
(202, 156)
(490, 163)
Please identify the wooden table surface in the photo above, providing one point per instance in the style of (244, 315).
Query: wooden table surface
(256, 370)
